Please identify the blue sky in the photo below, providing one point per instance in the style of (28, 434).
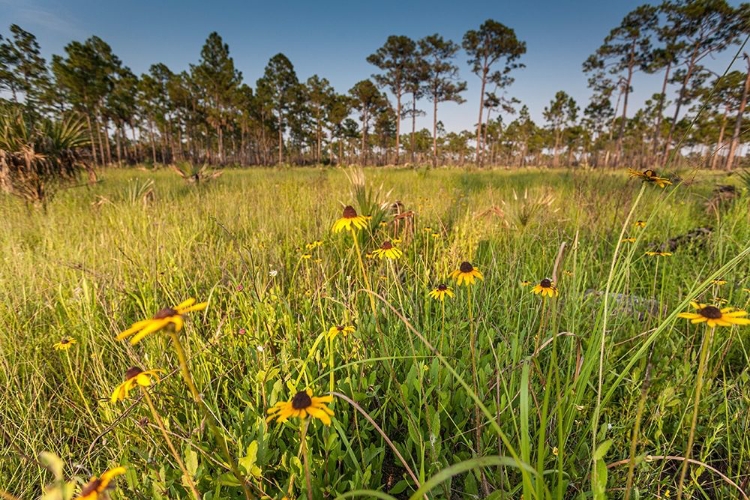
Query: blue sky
(333, 38)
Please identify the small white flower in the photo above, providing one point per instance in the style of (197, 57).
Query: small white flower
(273, 273)
(260, 348)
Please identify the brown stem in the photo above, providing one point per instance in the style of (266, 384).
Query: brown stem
(160, 424)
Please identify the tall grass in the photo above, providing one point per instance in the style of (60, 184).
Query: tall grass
(585, 399)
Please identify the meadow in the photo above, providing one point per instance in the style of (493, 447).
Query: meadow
(492, 391)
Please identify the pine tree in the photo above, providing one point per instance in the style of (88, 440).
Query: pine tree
(492, 43)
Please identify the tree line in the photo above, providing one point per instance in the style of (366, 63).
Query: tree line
(209, 114)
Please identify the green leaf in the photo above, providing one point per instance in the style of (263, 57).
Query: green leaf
(602, 450)
(399, 487)
(53, 463)
(191, 461)
(600, 488)
(249, 460)
(227, 479)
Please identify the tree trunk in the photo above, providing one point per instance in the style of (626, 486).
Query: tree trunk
(91, 138)
(434, 131)
(220, 133)
(106, 142)
(556, 152)
(319, 138)
(660, 111)
(486, 128)
(281, 140)
(738, 124)
(621, 133)
(479, 122)
(412, 146)
(99, 137)
(153, 140)
(678, 104)
(398, 124)
(719, 143)
(118, 144)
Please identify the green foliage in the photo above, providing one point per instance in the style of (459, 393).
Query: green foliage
(37, 158)
(89, 270)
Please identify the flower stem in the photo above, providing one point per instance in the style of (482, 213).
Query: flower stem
(331, 343)
(705, 348)
(160, 424)
(80, 391)
(305, 460)
(220, 440)
(475, 379)
(364, 273)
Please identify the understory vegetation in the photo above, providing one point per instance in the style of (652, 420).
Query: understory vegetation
(480, 387)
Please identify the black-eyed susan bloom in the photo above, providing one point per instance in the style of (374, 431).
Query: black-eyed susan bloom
(301, 405)
(441, 291)
(639, 223)
(98, 486)
(525, 283)
(546, 287)
(343, 330)
(134, 377)
(650, 177)
(658, 254)
(64, 344)
(713, 316)
(167, 316)
(628, 240)
(350, 220)
(646, 174)
(387, 251)
(466, 274)
(719, 282)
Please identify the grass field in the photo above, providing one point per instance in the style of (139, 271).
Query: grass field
(495, 392)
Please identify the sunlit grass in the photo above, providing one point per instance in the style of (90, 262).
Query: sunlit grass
(106, 256)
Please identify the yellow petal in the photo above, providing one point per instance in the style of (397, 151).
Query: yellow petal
(178, 322)
(320, 414)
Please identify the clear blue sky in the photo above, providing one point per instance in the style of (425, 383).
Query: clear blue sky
(333, 38)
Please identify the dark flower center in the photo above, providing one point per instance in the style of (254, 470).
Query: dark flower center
(710, 312)
(441, 287)
(386, 245)
(466, 267)
(91, 487)
(545, 283)
(649, 173)
(65, 341)
(339, 328)
(301, 400)
(349, 212)
(167, 312)
(132, 372)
